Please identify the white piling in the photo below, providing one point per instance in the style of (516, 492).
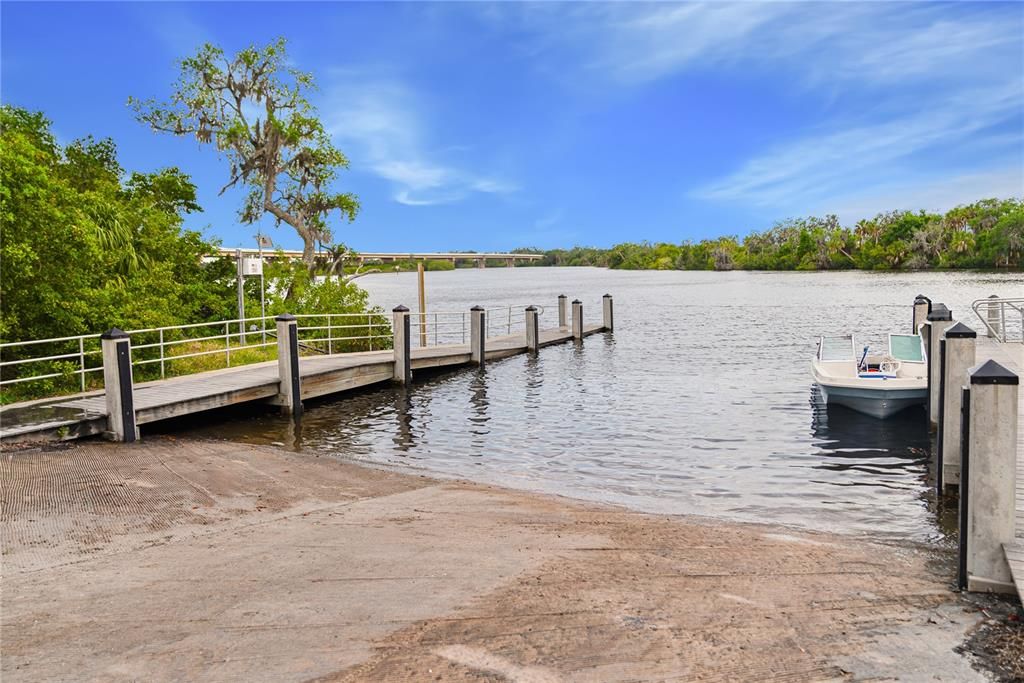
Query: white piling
(402, 331)
(957, 358)
(608, 317)
(577, 319)
(478, 335)
(938, 320)
(563, 315)
(532, 329)
(118, 386)
(289, 392)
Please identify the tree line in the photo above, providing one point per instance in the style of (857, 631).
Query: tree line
(988, 233)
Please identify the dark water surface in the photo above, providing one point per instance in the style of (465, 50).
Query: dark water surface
(701, 402)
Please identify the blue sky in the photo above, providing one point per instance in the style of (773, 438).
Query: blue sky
(492, 126)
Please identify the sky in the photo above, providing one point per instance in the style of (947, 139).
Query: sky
(493, 126)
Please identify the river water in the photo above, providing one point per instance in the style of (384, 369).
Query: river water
(701, 402)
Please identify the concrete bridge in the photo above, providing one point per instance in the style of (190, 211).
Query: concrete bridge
(363, 257)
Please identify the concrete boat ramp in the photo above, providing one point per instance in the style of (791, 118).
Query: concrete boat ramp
(321, 375)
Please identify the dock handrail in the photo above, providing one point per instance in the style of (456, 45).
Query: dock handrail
(1003, 318)
(502, 319)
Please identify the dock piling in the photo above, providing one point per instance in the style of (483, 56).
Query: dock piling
(562, 313)
(956, 359)
(532, 329)
(477, 335)
(922, 307)
(577, 319)
(938, 320)
(289, 391)
(989, 470)
(402, 330)
(117, 383)
(607, 314)
(992, 316)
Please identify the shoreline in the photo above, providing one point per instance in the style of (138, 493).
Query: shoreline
(266, 564)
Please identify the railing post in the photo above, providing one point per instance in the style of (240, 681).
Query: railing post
(117, 384)
(289, 391)
(532, 329)
(992, 314)
(563, 316)
(990, 470)
(478, 335)
(402, 344)
(938, 320)
(922, 307)
(607, 314)
(957, 358)
(577, 319)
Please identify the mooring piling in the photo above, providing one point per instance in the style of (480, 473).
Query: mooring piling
(289, 392)
(532, 329)
(922, 307)
(116, 346)
(478, 335)
(938, 320)
(607, 313)
(563, 315)
(401, 329)
(988, 481)
(577, 319)
(956, 358)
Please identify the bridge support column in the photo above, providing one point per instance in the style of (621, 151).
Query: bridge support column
(956, 356)
(987, 482)
(922, 307)
(117, 383)
(938, 320)
(608, 317)
(532, 329)
(402, 344)
(577, 319)
(289, 392)
(563, 317)
(478, 335)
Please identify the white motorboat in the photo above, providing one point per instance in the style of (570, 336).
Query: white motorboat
(877, 384)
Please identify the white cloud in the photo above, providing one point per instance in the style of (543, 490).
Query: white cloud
(379, 118)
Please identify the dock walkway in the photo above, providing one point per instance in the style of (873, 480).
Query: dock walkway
(86, 414)
(1011, 356)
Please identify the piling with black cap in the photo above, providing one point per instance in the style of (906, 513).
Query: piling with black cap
(289, 392)
(607, 313)
(990, 471)
(116, 346)
(577, 319)
(994, 318)
(956, 357)
(563, 316)
(532, 329)
(478, 335)
(402, 343)
(937, 320)
(922, 307)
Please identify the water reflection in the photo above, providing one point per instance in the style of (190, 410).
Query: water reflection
(405, 434)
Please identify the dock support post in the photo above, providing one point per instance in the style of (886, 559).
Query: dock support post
(477, 335)
(563, 316)
(577, 319)
(992, 315)
(607, 313)
(289, 390)
(938, 320)
(989, 470)
(532, 329)
(922, 307)
(956, 358)
(117, 383)
(402, 344)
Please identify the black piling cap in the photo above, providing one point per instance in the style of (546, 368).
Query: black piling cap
(992, 372)
(960, 331)
(607, 296)
(577, 301)
(399, 309)
(922, 299)
(939, 312)
(285, 317)
(562, 296)
(531, 307)
(478, 307)
(115, 333)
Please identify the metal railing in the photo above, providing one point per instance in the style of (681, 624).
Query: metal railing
(344, 332)
(1002, 318)
(504, 320)
(435, 328)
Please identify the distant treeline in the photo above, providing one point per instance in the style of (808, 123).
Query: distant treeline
(986, 234)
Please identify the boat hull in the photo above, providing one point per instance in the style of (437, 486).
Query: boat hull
(877, 402)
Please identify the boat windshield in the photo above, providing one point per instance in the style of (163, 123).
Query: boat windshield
(906, 347)
(836, 349)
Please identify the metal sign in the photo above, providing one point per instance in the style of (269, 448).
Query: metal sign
(252, 266)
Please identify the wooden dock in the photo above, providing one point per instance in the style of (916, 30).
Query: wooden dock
(321, 375)
(1011, 356)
